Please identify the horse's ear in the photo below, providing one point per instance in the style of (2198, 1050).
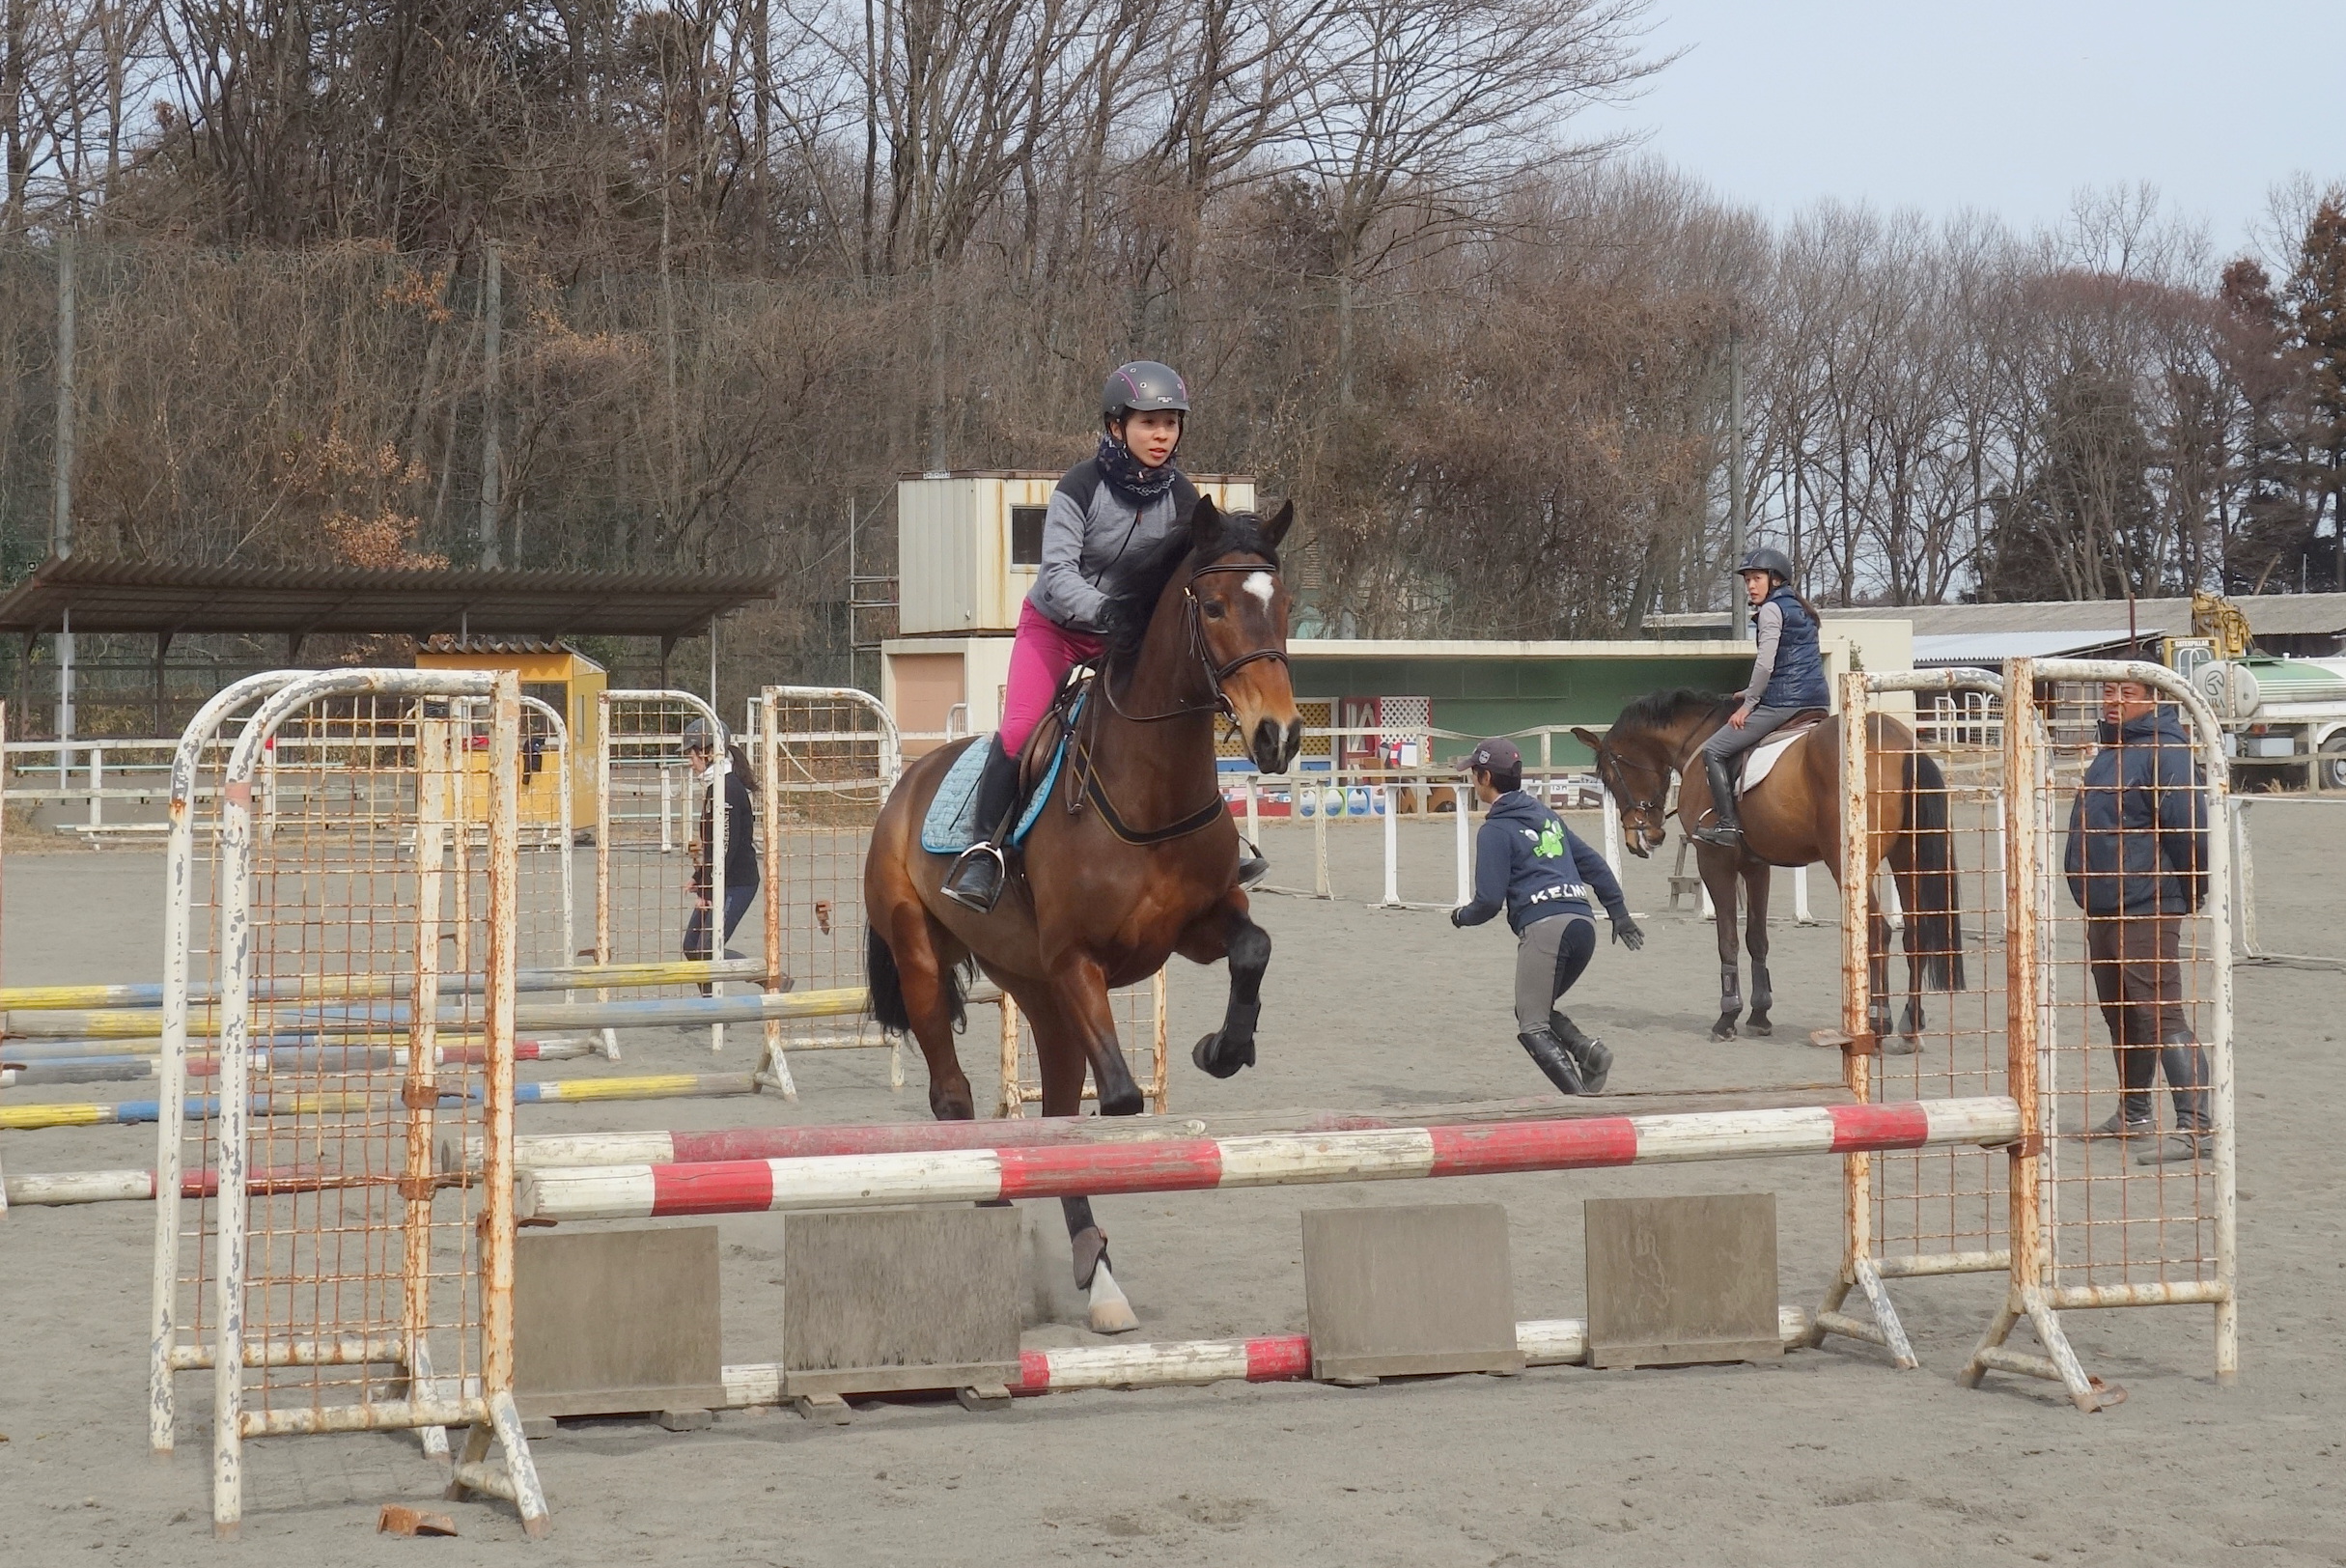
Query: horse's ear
(1276, 528)
(1589, 738)
(1206, 528)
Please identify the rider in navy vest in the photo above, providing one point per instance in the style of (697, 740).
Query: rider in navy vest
(1787, 679)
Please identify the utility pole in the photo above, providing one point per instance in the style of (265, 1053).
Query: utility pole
(492, 338)
(1737, 518)
(61, 517)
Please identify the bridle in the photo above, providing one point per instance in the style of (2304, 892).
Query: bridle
(1215, 674)
(1087, 782)
(1662, 774)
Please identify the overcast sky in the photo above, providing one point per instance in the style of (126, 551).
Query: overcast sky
(2003, 104)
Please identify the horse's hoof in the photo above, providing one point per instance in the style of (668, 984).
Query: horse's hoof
(1900, 1044)
(1724, 1029)
(1759, 1029)
(1210, 1058)
(1126, 1103)
(1107, 1312)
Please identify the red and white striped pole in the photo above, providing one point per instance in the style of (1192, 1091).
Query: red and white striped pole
(644, 1192)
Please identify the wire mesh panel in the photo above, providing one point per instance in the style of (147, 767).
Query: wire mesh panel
(1140, 1028)
(1927, 1010)
(827, 759)
(2128, 1162)
(653, 871)
(365, 1008)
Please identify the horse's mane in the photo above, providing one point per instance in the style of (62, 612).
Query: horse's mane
(1127, 613)
(1659, 710)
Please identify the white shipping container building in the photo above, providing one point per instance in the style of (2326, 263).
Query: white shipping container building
(967, 549)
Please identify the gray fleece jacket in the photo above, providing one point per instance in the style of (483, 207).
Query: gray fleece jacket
(1092, 541)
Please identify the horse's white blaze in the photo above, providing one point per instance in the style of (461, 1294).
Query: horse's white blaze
(1260, 584)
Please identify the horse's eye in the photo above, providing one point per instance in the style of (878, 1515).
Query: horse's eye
(1213, 609)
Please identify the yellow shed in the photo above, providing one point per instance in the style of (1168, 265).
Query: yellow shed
(566, 681)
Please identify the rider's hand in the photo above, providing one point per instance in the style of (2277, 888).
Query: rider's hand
(1739, 718)
(1627, 934)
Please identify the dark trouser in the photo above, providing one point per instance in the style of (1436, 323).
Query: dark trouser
(1727, 742)
(2138, 974)
(1549, 956)
(696, 929)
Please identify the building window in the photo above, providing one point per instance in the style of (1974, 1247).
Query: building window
(1026, 535)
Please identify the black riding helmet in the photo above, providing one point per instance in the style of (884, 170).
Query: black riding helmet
(1139, 387)
(1776, 563)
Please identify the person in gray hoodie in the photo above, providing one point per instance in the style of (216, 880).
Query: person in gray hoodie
(1527, 862)
(2136, 860)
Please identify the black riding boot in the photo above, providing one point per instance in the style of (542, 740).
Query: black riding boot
(1252, 867)
(1726, 828)
(1596, 1062)
(1554, 1059)
(977, 879)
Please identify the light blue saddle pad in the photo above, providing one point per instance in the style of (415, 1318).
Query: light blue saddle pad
(950, 828)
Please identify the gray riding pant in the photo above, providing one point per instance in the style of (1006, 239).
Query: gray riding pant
(1549, 956)
(1728, 741)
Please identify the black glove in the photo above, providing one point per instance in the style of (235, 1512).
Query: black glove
(1626, 933)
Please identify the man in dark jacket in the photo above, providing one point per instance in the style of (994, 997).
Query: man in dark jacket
(1529, 862)
(2137, 863)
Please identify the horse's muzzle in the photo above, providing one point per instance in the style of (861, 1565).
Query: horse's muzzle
(1274, 745)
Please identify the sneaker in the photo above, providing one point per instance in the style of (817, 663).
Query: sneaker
(2174, 1149)
(2121, 1126)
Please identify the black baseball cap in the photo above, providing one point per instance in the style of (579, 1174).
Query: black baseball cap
(1496, 755)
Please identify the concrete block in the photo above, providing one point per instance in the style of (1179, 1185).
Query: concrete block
(1682, 1280)
(880, 1300)
(617, 1322)
(1409, 1291)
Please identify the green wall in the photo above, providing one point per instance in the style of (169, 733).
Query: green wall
(1496, 696)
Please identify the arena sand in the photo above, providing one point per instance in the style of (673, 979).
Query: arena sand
(1828, 1458)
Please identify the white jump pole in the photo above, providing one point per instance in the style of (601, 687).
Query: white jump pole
(1465, 845)
(1383, 795)
(1612, 832)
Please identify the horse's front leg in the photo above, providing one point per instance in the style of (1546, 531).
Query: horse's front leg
(1228, 931)
(1719, 879)
(1755, 938)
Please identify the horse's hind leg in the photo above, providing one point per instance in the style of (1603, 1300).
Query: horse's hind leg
(1228, 931)
(925, 955)
(1719, 879)
(1063, 1065)
(1755, 938)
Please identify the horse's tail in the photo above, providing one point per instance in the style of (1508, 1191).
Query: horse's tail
(1934, 922)
(887, 986)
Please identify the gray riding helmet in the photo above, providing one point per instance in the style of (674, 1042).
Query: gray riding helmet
(697, 737)
(1766, 560)
(1140, 387)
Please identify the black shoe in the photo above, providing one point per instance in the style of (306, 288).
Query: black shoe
(2122, 1124)
(1252, 869)
(975, 882)
(1553, 1060)
(1596, 1063)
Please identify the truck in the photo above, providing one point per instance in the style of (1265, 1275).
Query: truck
(2283, 718)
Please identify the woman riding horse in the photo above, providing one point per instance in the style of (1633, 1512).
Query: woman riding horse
(1132, 859)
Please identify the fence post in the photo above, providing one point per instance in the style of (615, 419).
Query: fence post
(1466, 846)
(1392, 846)
(97, 784)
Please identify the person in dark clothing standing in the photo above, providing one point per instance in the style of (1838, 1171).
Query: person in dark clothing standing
(740, 841)
(2137, 862)
(1530, 863)
(1787, 678)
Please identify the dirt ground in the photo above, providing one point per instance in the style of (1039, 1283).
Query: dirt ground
(1828, 1458)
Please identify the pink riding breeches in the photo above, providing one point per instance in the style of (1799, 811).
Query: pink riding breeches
(1039, 660)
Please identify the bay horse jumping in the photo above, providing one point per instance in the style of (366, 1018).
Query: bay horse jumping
(1132, 859)
(1793, 818)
